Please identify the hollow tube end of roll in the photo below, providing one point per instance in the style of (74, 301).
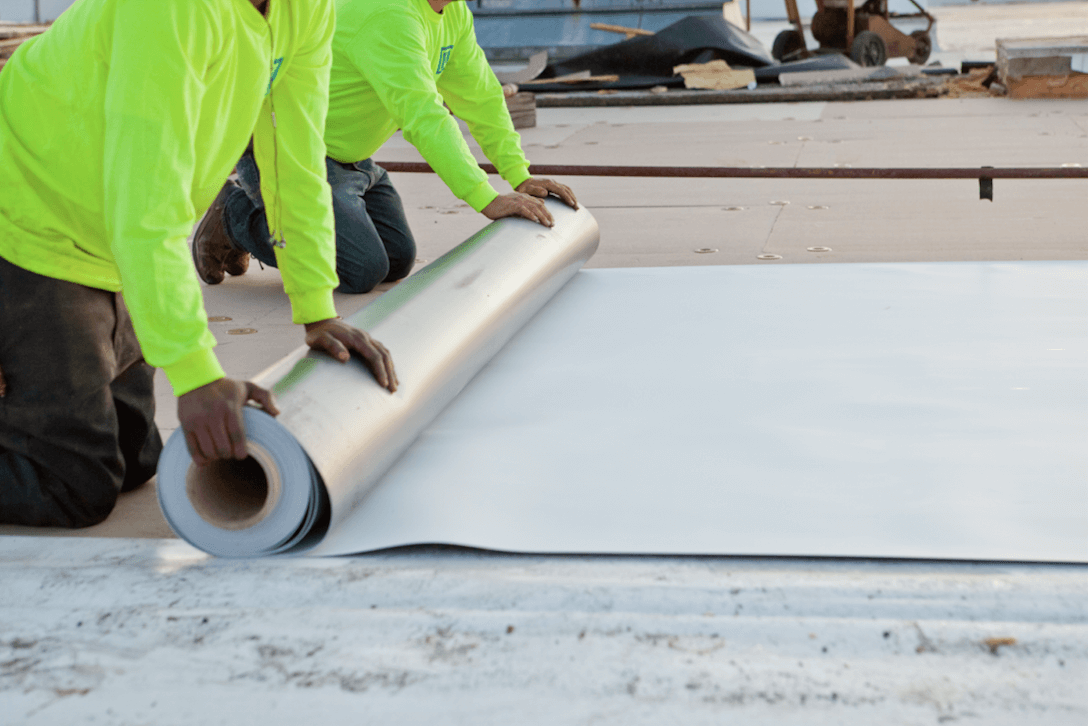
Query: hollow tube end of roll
(235, 494)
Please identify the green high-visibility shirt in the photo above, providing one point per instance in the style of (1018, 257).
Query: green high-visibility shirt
(394, 63)
(120, 124)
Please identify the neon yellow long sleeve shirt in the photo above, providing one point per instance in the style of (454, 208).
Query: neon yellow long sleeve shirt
(120, 124)
(394, 63)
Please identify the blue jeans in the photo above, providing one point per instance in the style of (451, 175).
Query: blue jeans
(373, 242)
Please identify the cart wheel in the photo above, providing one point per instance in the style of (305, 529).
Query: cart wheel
(786, 44)
(869, 49)
(922, 47)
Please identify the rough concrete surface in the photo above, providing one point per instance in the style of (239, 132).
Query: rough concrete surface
(138, 632)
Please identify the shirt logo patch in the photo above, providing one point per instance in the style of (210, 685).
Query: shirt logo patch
(443, 58)
(275, 71)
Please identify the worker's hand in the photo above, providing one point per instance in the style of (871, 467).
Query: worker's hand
(211, 417)
(338, 339)
(517, 204)
(548, 187)
(3, 385)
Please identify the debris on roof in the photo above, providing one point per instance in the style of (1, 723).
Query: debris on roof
(1044, 67)
(12, 35)
(715, 75)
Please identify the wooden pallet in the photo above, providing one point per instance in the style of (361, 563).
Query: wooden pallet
(522, 108)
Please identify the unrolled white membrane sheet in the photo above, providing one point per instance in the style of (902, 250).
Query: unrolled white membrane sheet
(869, 410)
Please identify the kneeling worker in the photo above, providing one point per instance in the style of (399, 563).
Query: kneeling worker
(117, 126)
(394, 63)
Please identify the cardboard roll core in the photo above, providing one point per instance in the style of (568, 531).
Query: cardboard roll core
(235, 494)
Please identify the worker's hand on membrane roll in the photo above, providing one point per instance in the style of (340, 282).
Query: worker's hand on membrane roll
(525, 201)
(517, 204)
(338, 339)
(211, 416)
(548, 187)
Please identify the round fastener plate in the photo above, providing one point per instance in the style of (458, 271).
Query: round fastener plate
(218, 319)
(818, 249)
(768, 257)
(779, 202)
(818, 206)
(733, 209)
(706, 250)
(241, 331)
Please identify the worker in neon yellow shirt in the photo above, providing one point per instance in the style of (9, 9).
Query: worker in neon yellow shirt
(117, 127)
(394, 64)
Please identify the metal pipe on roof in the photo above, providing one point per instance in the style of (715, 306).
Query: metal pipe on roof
(743, 172)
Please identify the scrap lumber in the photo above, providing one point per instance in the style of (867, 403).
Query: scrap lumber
(522, 107)
(715, 75)
(11, 30)
(732, 14)
(1044, 67)
(10, 44)
(577, 77)
(629, 32)
(977, 83)
(12, 35)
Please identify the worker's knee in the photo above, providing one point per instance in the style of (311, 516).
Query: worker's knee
(90, 516)
(34, 495)
(358, 279)
(84, 501)
(402, 258)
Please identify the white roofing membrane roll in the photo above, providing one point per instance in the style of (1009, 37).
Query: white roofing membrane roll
(441, 325)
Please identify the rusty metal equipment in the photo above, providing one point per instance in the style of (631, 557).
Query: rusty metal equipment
(864, 34)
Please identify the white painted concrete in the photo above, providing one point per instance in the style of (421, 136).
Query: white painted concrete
(100, 631)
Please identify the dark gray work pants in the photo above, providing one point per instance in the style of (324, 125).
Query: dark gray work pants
(373, 242)
(77, 425)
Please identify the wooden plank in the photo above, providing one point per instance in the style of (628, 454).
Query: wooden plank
(715, 75)
(11, 44)
(629, 32)
(11, 30)
(579, 77)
